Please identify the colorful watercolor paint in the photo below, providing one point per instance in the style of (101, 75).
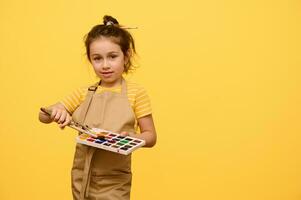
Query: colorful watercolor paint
(110, 141)
(103, 139)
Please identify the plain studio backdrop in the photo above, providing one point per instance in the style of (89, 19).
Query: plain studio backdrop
(224, 81)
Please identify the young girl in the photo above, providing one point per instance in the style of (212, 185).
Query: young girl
(110, 104)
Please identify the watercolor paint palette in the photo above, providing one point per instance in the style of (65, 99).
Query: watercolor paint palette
(110, 141)
(106, 140)
(103, 139)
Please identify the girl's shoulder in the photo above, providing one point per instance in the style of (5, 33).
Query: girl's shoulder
(134, 86)
(137, 92)
(141, 101)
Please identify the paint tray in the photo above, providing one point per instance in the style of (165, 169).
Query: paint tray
(109, 141)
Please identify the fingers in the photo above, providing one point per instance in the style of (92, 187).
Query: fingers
(124, 133)
(66, 122)
(56, 114)
(62, 119)
(61, 116)
(53, 113)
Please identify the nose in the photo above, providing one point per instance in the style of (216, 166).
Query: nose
(106, 65)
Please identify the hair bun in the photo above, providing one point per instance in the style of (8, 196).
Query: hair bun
(109, 20)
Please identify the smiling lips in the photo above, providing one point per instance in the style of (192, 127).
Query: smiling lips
(106, 74)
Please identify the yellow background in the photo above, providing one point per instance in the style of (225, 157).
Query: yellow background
(224, 80)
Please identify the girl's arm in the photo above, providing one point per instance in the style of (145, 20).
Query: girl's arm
(148, 132)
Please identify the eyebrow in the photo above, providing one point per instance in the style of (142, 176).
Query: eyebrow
(97, 54)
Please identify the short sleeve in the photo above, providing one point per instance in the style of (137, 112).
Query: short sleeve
(73, 100)
(142, 106)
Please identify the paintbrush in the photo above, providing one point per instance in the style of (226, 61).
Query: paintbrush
(78, 126)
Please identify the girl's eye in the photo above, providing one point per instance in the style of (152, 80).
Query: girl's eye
(96, 58)
(113, 56)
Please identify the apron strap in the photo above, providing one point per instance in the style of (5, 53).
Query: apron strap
(123, 87)
(91, 90)
(90, 150)
(84, 193)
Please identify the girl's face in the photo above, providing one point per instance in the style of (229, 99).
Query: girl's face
(108, 61)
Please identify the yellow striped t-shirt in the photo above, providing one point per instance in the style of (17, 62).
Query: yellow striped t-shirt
(137, 96)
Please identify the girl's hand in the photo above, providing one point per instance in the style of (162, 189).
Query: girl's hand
(124, 134)
(61, 116)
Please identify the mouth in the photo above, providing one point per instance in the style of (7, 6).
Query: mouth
(106, 74)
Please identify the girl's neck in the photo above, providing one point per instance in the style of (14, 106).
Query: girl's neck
(111, 85)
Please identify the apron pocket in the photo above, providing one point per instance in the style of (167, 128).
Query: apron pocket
(118, 185)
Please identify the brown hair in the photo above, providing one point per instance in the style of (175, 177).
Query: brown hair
(111, 29)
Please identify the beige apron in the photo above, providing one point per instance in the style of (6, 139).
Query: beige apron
(96, 173)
